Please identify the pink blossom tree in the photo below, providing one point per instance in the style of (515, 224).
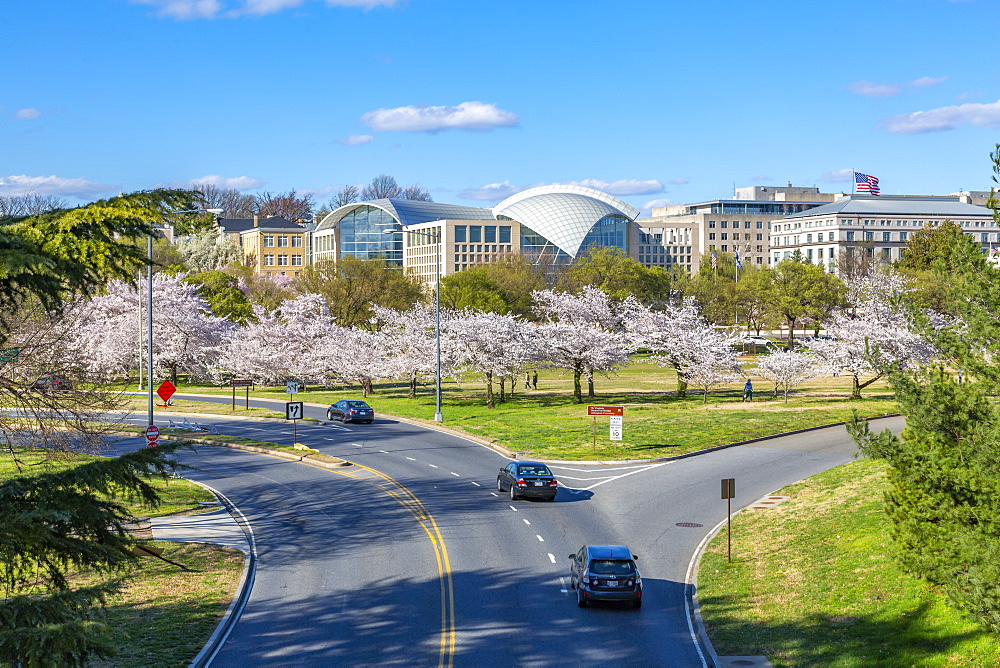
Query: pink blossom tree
(493, 345)
(787, 368)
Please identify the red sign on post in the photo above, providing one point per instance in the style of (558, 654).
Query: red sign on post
(152, 432)
(605, 410)
(166, 390)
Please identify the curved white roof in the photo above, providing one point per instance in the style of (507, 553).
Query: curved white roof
(409, 212)
(563, 214)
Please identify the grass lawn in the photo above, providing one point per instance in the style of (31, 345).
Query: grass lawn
(164, 615)
(813, 583)
(545, 423)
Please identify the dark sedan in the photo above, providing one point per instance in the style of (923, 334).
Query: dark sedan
(351, 410)
(528, 480)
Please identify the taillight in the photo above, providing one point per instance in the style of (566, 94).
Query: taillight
(553, 483)
(521, 483)
(353, 410)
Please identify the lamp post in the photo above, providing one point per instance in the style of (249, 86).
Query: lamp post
(149, 312)
(437, 321)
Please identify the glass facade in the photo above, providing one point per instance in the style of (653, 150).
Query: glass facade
(540, 250)
(611, 230)
(361, 235)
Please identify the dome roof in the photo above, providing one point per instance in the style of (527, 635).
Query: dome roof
(409, 212)
(563, 214)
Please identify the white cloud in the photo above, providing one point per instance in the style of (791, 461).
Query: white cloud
(356, 140)
(945, 118)
(465, 116)
(872, 89)
(838, 176)
(27, 113)
(647, 208)
(491, 191)
(237, 182)
(50, 185)
(680, 181)
(189, 10)
(623, 186)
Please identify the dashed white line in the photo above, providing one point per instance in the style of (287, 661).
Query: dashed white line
(357, 446)
(527, 522)
(433, 466)
(411, 459)
(476, 483)
(329, 439)
(552, 557)
(495, 494)
(540, 539)
(454, 474)
(384, 451)
(512, 508)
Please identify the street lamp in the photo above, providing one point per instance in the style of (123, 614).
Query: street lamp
(437, 320)
(149, 310)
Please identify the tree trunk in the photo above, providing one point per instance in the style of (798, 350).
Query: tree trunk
(489, 390)
(503, 396)
(590, 382)
(413, 386)
(705, 399)
(791, 334)
(682, 386)
(367, 388)
(856, 387)
(577, 391)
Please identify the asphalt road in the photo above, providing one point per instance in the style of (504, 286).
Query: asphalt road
(411, 557)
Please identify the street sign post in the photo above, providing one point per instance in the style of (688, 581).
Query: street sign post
(152, 434)
(244, 383)
(729, 493)
(614, 412)
(293, 412)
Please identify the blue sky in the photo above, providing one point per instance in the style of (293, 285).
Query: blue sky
(652, 101)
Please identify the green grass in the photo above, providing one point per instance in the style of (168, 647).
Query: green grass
(546, 423)
(813, 582)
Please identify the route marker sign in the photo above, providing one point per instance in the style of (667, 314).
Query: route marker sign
(292, 387)
(293, 410)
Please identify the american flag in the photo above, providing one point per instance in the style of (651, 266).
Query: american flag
(713, 260)
(866, 183)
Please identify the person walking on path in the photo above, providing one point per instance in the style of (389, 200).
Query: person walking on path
(527, 381)
(534, 379)
(748, 391)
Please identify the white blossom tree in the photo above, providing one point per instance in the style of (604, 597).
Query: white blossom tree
(875, 337)
(209, 250)
(186, 335)
(582, 333)
(493, 345)
(410, 339)
(354, 355)
(787, 368)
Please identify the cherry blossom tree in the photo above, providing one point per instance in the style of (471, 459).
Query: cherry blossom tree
(875, 336)
(410, 338)
(493, 345)
(682, 339)
(186, 334)
(353, 355)
(708, 372)
(787, 368)
(584, 333)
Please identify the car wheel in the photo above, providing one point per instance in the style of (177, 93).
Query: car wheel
(499, 485)
(329, 416)
(343, 418)
(580, 600)
(513, 494)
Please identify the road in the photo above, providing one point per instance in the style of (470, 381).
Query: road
(411, 557)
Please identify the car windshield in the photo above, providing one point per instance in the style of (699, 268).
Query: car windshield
(356, 404)
(612, 567)
(534, 470)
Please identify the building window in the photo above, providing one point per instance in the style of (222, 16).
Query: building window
(296, 260)
(460, 234)
(725, 236)
(760, 237)
(725, 248)
(296, 242)
(886, 236)
(760, 225)
(476, 233)
(850, 235)
(809, 238)
(746, 225)
(869, 235)
(268, 241)
(268, 260)
(283, 241)
(505, 234)
(711, 223)
(724, 224)
(985, 237)
(282, 260)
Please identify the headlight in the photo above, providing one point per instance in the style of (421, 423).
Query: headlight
(586, 579)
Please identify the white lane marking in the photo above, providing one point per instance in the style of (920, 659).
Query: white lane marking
(552, 557)
(433, 466)
(454, 474)
(476, 483)
(512, 508)
(540, 539)
(253, 428)
(411, 459)
(624, 475)
(329, 439)
(384, 451)
(527, 522)
(495, 494)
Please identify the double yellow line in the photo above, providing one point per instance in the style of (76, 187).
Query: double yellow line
(407, 499)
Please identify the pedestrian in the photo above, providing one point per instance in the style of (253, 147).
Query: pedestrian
(748, 391)
(534, 380)
(527, 380)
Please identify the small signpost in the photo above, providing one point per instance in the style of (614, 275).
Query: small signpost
(152, 434)
(616, 414)
(166, 390)
(244, 383)
(293, 412)
(729, 493)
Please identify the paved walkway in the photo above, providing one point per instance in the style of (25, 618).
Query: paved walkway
(216, 527)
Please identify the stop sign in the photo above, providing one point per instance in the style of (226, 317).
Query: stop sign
(152, 433)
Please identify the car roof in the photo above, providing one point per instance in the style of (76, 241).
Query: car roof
(608, 552)
(530, 463)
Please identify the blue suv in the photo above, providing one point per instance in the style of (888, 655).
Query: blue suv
(605, 573)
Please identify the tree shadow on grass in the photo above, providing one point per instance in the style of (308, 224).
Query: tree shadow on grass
(849, 640)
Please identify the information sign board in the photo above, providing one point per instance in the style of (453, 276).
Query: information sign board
(605, 410)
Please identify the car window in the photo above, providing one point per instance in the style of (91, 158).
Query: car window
(356, 404)
(612, 567)
(534, 470)
(511, 468)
